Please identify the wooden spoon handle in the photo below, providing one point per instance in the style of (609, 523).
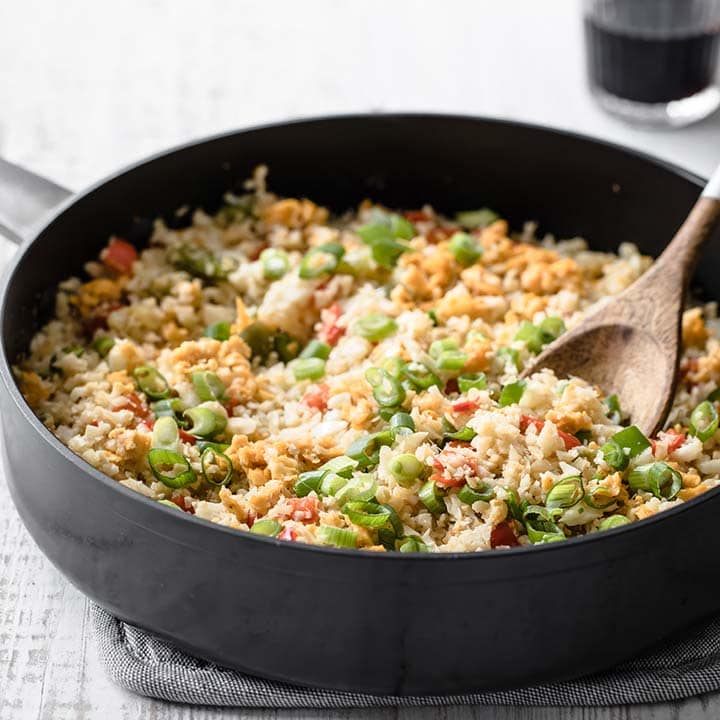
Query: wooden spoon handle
(677, 261)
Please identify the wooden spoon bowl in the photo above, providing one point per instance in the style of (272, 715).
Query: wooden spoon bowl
(630, 345)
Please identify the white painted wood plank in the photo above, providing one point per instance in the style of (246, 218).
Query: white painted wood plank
(87, 87)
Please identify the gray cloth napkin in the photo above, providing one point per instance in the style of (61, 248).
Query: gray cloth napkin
(144, 664)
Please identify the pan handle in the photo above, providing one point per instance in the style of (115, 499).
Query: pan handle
(25, 198)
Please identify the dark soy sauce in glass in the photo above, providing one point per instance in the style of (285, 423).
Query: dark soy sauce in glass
(650, 69)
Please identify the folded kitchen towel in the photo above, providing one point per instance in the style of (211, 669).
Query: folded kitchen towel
(145, 664)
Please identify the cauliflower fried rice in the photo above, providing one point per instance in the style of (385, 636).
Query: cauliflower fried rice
(353, 381)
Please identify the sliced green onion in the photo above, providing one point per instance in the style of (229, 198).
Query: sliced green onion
(470, 495)
(171, 468)
(632, 440)
(165, 434)
(308, 482)
(259, 338)
(199, 262)
(433, 317)
(167, 407)
(613, 521)
(614, 412)
(565, 493)
(472, 380)
(401, 227)
(591, 498)
(316, 349)
(218, 331)
(386, 413)
(366, 449)
(376, 326)
(286, 346)
(515, 507)
(401, 423)
(450, 432)
(321, 260)
(473, 219)
(431, 497)
(405, 469)
(704, 421)
(338, 537)
(419, 376)
(361, 487)
(366, 514)
(394, 365)
(341, 465)
(551, 328)
(410, 543)
(387, 391)
(530, 334)
(714, 396)
(103, 345)
(438, 347)
(512, 393)
(394, 522)
(464, 248)
(381, 236)
(308, 368)
(208, 385)
(266, 526)
(331, 483)
(217, 447)
(509, 353)
(657, 478)
(204, 422)
(451, 360)
(275, 263)
(584, 436)
(540, 526)
(614, 455)
(211, 456)
(151, 382)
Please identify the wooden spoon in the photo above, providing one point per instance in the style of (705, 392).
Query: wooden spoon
(631, 344)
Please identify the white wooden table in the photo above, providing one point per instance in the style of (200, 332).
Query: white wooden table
(86, 87)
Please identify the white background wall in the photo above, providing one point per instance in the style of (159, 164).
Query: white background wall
(87, 86)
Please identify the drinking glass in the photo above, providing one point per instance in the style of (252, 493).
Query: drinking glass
(654, 62)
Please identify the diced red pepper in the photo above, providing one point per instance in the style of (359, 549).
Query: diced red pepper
(288, 533)
(255, 254)
(134, 403)
(438, 234)
(317, 396)
(119, 256)
(672, 438)
(250, 519)
(186, 437)
(502, 535)
(570, 440)
(179, 500)
(415, 216)
(526, 421)
(99, 318)
(330, 332)
(301, 509)
(449, 460)
(451, 386)
(463, 406)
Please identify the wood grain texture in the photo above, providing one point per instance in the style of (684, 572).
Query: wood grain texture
(87, 87)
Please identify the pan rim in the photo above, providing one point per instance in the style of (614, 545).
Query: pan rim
(36, 424)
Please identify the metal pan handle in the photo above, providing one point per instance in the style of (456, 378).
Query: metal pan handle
(25, 199)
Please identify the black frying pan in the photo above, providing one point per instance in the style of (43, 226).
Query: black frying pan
(380, 623)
